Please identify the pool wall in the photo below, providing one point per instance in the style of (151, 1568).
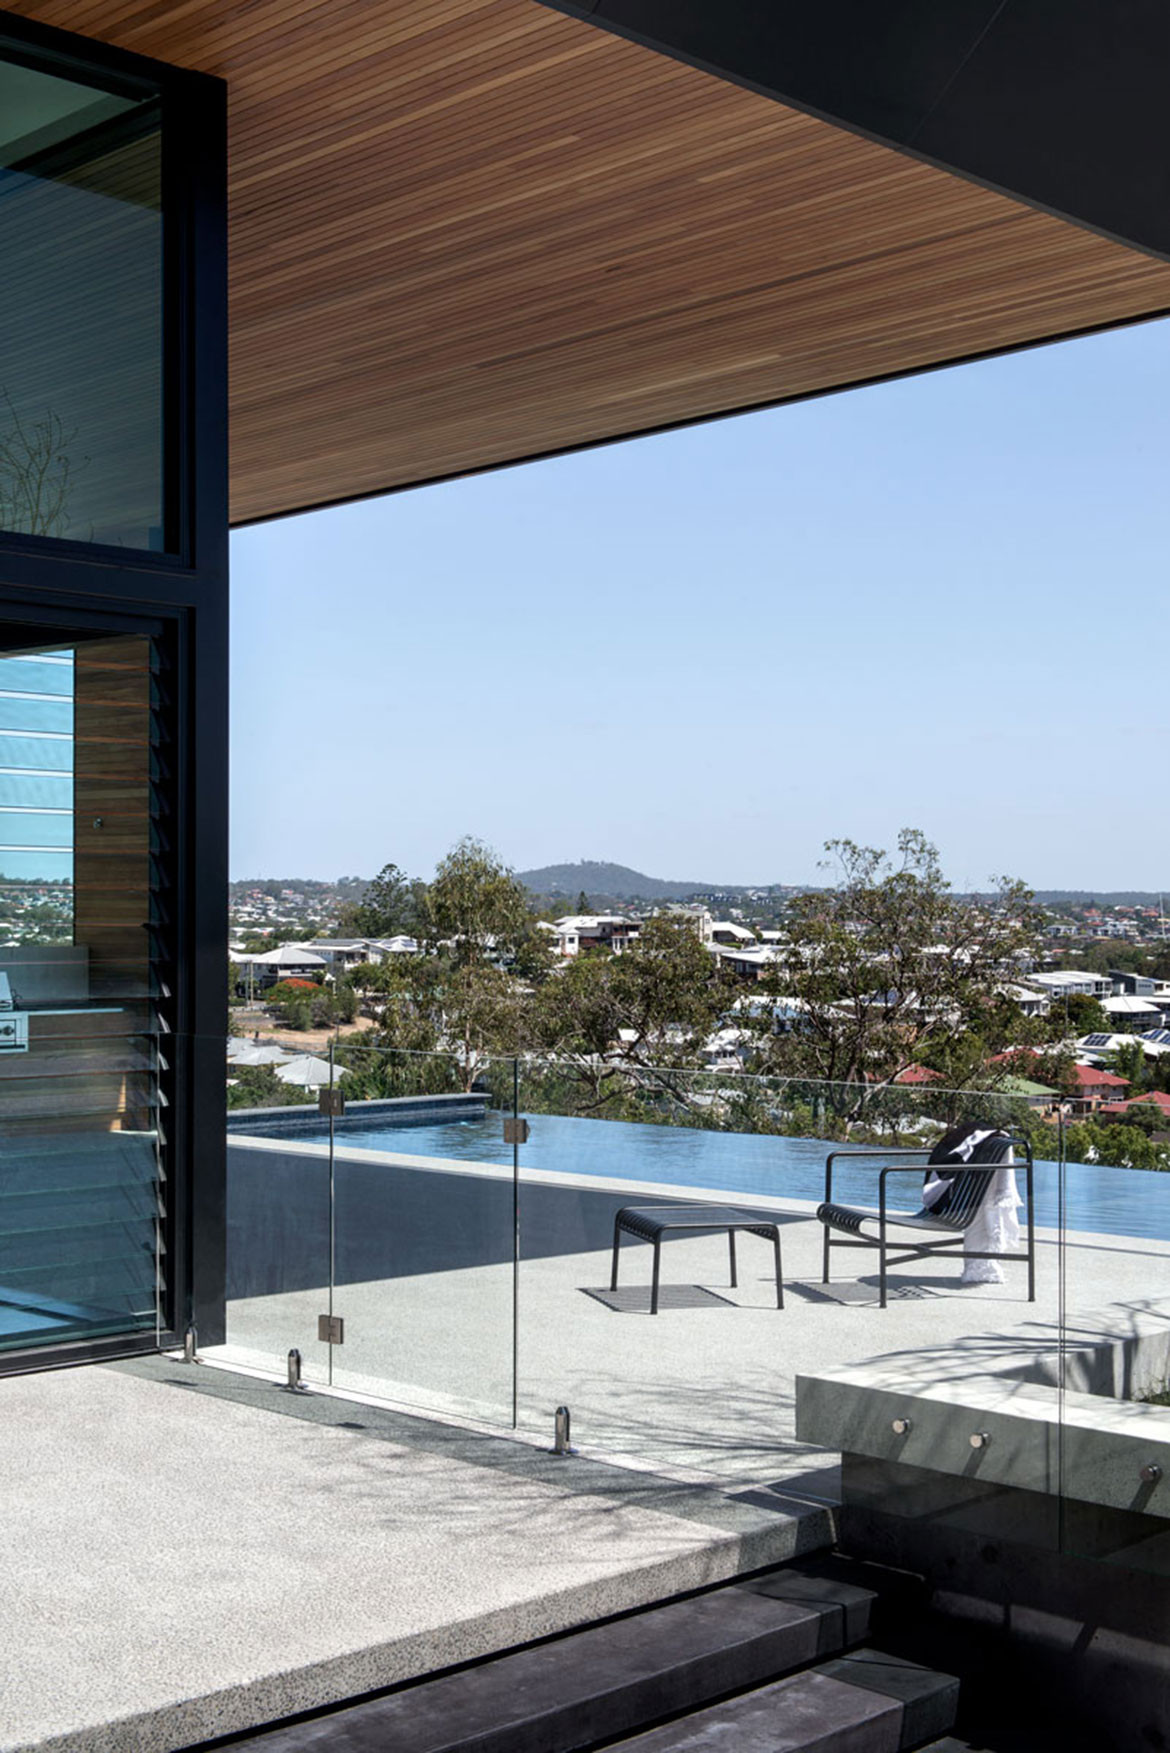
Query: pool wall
(397, 1215)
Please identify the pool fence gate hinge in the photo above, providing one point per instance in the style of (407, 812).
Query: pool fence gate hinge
(331, 1329)
(515, 1131)
(331, 1102)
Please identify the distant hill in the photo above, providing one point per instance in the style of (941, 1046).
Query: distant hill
(613, 882)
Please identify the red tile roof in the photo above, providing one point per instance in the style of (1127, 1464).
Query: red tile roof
(1090, 1078)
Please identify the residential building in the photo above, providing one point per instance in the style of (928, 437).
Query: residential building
(578, 933)
(1072, 982)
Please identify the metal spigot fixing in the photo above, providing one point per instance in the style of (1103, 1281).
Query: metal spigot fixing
(191, 1345)
(562, 1425)
(294, 1383)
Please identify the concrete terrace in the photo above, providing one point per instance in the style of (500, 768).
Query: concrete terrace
(190, 1552)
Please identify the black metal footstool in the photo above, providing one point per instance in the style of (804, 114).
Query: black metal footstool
(651, 1222)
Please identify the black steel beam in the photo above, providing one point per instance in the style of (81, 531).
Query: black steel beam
(1060, 103)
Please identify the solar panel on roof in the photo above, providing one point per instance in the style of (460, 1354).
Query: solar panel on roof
(1097, 1040)
(1162, 1036)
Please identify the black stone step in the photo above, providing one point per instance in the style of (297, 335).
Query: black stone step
(866, 1702)
(604, 1681)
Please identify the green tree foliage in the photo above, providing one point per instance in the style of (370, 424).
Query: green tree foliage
(464, 995)
(298, 1005)
(626, 1030)
(1129, 1061)
(1079, 1014)
(476, 907)
(392, 906)
(1122, 1146)
(891, 969)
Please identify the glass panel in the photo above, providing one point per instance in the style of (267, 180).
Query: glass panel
(279, 1205)
(424, 1232)
(81, 344)
(1113, 1371)
(82, 1194)
(709, 1382)
(410, 1191)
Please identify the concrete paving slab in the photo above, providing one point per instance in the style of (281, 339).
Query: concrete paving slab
(189, 1553)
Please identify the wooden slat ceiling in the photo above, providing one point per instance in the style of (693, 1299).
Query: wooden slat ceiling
(466, 232)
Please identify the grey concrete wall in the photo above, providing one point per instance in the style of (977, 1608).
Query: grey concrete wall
(1027, 1588)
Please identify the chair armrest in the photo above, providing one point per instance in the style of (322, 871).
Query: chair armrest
(871, 1151)
(893, 1169)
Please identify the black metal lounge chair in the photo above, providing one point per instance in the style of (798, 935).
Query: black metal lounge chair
(940, 1227)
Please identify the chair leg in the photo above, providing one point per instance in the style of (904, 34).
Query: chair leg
(779, 1271)
(617, 1239)
(825, 1258)
(882, 1274)
(731, 1251)
(654, 1279)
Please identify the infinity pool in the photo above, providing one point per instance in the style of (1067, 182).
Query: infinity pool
(1126, 1202)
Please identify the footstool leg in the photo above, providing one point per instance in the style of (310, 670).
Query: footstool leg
(731, 1250)
(654, 1279)
(779, 1273)
(617, 1239)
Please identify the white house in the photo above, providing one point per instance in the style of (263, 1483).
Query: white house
(591, 931)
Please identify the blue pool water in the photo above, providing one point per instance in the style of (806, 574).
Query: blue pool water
(1126, 1202)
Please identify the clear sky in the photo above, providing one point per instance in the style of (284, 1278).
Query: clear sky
(940, 603)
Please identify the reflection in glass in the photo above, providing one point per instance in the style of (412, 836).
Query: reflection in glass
(81, 450)
(80, 1189)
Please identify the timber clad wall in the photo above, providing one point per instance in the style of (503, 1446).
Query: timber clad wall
(112, 865)
(111, 786)
(469, 231)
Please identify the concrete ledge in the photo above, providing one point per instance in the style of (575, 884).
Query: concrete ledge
(1036, 1436)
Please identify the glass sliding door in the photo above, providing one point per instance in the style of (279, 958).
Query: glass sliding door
(82, 1201)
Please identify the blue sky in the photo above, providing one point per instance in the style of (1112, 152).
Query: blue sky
(939, 603)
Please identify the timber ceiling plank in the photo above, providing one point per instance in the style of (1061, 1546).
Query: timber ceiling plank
(465, 232)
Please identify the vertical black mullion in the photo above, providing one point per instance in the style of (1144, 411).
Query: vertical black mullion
(202, 108)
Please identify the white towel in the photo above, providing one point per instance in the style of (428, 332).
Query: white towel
(996, 1229)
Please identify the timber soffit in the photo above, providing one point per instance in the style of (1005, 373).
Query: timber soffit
(467, 232)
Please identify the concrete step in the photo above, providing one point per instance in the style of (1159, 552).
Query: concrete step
(605, 1681)
(865, 1702)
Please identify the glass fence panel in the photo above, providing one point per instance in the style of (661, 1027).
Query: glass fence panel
(279, 1216)
(1114, 1378)
(392, 1169)
(424, 1226)
(654, 1204)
